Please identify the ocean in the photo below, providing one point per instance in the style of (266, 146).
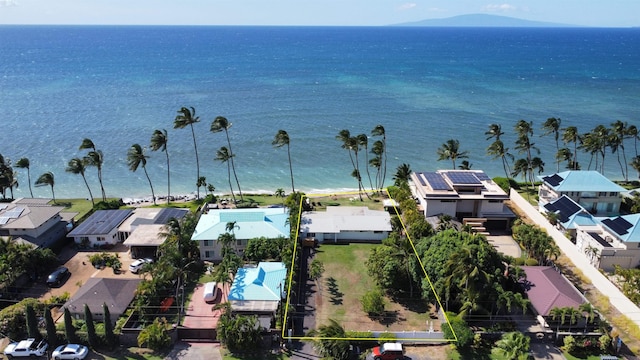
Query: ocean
(116, 85)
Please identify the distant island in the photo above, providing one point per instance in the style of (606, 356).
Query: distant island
(482, 20)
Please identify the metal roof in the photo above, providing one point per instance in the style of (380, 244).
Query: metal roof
(262, 283)
(581, 180)
(547, 288)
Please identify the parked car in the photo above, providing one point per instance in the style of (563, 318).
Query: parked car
(388, 351)
(70, 351)
(26, 348)
(138, 264)
(58, 276)
(210, 291)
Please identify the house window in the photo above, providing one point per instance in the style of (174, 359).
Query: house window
(207, 243)
(447, 201)
(613, 194)
(311, 234)
(208, 254)
(609, 207)
(100, 238)
(602, 194)
(239, 242)
(84, 239)
(495, 201)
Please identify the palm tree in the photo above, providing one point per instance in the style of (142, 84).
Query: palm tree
(619, 131)
(159, 140)
(589, 313)
(202, 182)
(94, 158)
(329, 343)
(450, 150)
(186, 118)
(363, 141)
(521, 166)
(350, 143)
(223, 155)
(23, 163)
(466, 165)
(524, 145)
(77, 166)
(280, 193)
(565, 154)
(570, 135)
(379, 130)
(281, 139)
(552, 126)
(495, 131)
(635, 164)
(402, 175)
(497, 150)
(377, 161)
(47, 179)
(632, 133)
(136, 158)
(513, 345)
(219, 124)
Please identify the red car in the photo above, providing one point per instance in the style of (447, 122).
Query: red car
(388, 351)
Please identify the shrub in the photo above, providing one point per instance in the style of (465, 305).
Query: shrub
(505, 184)
(518, 261)
(458, 330)
(531, 262)
(373, 302)
(386, 337)
(569, 344)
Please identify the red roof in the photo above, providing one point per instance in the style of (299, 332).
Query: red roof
(547, 288)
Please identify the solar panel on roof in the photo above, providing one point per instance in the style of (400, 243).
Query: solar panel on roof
(482, 176)
(463, 178)
(3, 220)
(3, 206)
(553, 180)
(436, 181)
(421, 179)
(14, 213)
(619, 225)
(564, 207)
(168, 213)
(101, 222)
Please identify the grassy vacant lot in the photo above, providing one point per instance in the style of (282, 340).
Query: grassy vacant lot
(343, 284)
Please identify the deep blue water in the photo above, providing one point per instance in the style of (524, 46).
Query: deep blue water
(115, 85)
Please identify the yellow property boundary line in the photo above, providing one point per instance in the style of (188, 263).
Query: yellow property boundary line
(293, 260)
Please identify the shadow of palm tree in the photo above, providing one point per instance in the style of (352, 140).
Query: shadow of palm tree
(336, 295)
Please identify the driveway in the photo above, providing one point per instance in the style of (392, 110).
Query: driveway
(505, 244)
(195, 351)
(199, 314)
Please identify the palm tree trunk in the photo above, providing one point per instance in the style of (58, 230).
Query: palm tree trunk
(366, 162)
(195, 148)
(293, 189)
(384, 153)
(230, 186)
(168, 178)
(153, 195)
(233, 165)
(88, 188)
(104, 195)
(29, 179)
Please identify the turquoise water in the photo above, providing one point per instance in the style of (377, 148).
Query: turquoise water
(116, 85)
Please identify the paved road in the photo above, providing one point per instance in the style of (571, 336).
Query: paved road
(195, 351)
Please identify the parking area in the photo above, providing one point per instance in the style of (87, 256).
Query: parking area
(505, 244)
(200, 314)
(81, 270)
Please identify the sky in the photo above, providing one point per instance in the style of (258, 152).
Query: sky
(602, 13)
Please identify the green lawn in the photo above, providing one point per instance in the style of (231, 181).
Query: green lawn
(227, 356)
(343, 284)
(132, 353)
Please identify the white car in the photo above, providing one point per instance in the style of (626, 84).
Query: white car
(70, 351)
(138, 264)
(26, 348)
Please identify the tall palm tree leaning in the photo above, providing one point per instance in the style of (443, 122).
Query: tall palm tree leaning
(94, 158)
(570, 135)
(24, 163)
(77, 166)
(281, 139)
(220, 123)
(159, 140)
(47, 179)
(186, 118)
(136, 158)
(350, 143)
(450, 150)
(223, 155)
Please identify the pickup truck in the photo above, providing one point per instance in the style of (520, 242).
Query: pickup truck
(26, 348)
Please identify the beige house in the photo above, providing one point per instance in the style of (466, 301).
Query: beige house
(346, 224)
(34, 221)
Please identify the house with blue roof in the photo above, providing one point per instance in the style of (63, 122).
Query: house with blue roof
(250, 223)
(590, 189)
(611, 241)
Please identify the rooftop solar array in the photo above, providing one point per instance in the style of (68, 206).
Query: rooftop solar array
(3, 206)
(101, 222)
(436, 181)
(553, 180)
(599, 239)
(564, 206)
(482, 176)
(168, 213)
(466, 178)
(421, 179)
(3, 220)
(14, 213)
(619, 225)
